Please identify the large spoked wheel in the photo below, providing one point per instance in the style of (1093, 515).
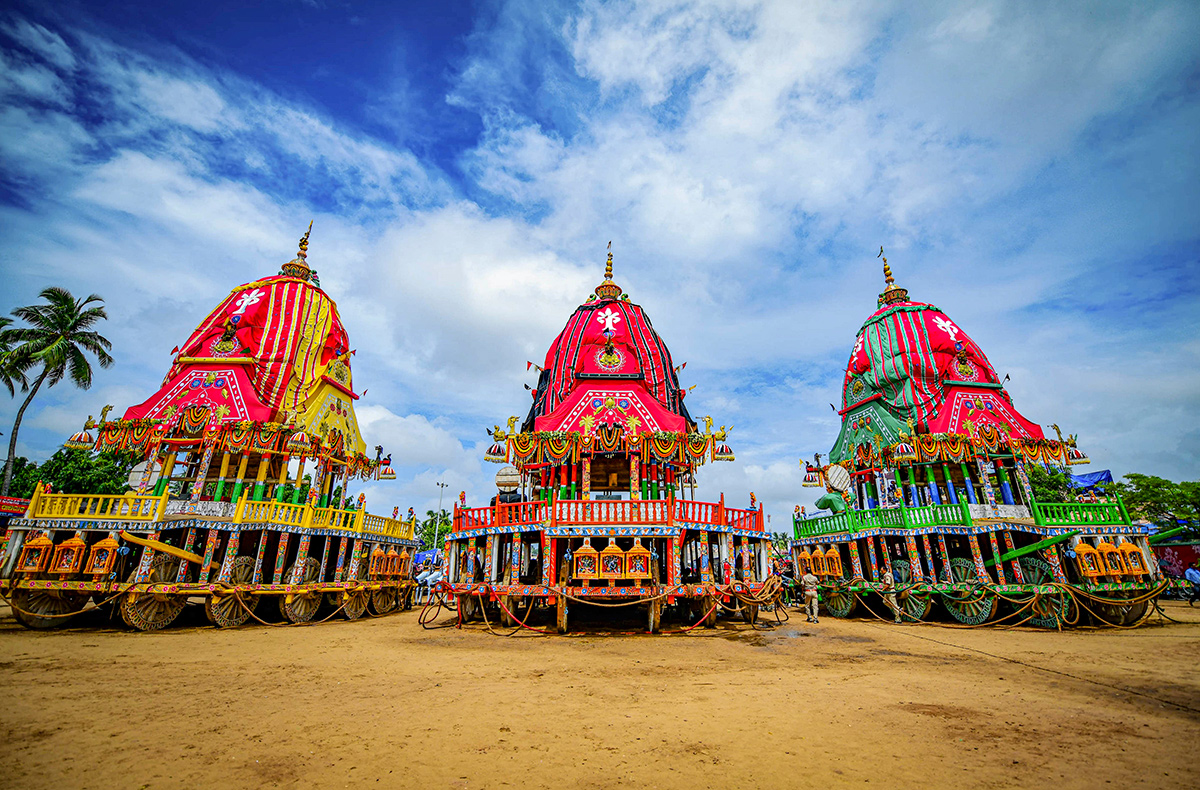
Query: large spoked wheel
(708, 608)
(355, 604)
(1048, 611)
(385, 600)
(151, 611)
(226, 610)
(839, 601)
(750, 613)
(41, 609)
(301, 607)
(1120, 614)
(970, 607)
(406, 597)
(915, 604)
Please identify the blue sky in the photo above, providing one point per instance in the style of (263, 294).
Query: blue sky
(1032, 171)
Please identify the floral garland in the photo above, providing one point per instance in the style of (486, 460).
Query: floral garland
(697, 448)
(663, 445)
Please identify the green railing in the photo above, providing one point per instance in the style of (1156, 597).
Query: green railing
(937, 515)
(1067, 514)
(1070, 514)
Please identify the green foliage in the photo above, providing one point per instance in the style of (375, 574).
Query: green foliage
(59, 336)
(425, 529)
(1159, 500)
(72, 471)
(1049, 485)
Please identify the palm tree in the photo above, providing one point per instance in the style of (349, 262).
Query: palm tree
(58, 334)
(12, 374)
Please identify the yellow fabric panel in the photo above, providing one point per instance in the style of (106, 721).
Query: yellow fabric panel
(328, 407)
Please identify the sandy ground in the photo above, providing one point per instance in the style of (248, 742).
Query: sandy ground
(382, 703)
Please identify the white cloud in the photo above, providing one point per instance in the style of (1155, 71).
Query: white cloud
(1020, 163)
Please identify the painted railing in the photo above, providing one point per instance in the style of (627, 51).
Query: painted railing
(521, 514)
(474, 518)
(88, 507)
(936, 515)
(742, 519)
(1071, 514)
(611, 511)
(389, 527)
(588, 512)
(283, 513)
(689, 511)
(334, 518)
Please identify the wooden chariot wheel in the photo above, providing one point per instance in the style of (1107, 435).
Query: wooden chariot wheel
(355, 605)
(750, 613)
(970, 607)
(1119, 614)
(385, 600)
(839, 601)
(39, 609)
(1048, 611)
(152, 611)
(301, 607)
(915, 604)
(355, 600)
(226, 610)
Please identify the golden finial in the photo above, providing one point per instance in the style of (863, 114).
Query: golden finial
(298, 267)
(608, 289)
(892, 293)
(303, 253)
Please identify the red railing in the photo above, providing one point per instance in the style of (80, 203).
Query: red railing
(611, 511)
(742, 519)
(518, 513)
(474, 518)
(608, 511)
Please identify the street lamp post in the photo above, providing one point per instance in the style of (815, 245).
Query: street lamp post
(437, 519)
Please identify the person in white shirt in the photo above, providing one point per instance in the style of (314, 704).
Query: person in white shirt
(889, 591)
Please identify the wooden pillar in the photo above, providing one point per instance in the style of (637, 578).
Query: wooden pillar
(258, 556)
(165, 479)
(231, 550)
(945, 555)
(219, 496)
(855, 562)
(190, 537)
(871, 559)
(587, 477)
(635, 485)
(299, 481)
(996, 557)
(280, 558)
(260, 488)
(1014, 566)
(283, 478)
(240, 483)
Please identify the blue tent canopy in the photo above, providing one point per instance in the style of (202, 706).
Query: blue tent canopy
(432, 555)
(1090, 480)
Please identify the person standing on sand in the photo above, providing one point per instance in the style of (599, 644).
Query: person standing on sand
(1192, 574)
(889, 591)
(808, 583)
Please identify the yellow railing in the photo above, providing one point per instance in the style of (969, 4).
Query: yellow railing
(272, 513)
(96, 507)
(391, 527)
(332, 518)
(135, 507)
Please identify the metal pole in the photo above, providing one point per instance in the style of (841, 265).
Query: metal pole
(437, 519)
